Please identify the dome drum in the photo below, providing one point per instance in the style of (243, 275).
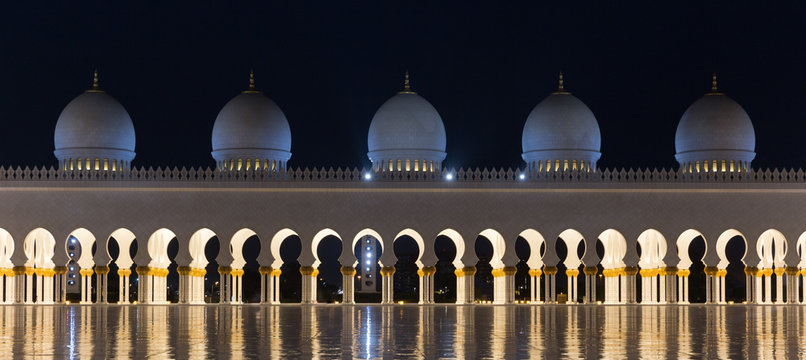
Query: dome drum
(251, 159)
(94, 159)
(561, 160)
(406, 160)
(715, 160)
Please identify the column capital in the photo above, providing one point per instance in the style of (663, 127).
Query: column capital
(347, 270)
(590, 270)
(750, 270)
(86, 272)
(387, 270)
(102, 270)
(465, 271)
(550, 270)
(306, 270)
(631, 270)
(710, 270)
(226, 270)
(535, 272)
(791, 270)
(780, 271)
(572, 272)
(124, 272)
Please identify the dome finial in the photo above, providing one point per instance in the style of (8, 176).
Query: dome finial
(251, 89)
(95, 86)
(251, 79)
(406, 85)
(714, 88)
(561, 85)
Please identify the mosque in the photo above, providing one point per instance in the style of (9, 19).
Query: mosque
(645, 220)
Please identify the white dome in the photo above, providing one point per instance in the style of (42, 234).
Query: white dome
(251, 127)
(406, 127)
(715, 128)
(561, 128)
(94, 127)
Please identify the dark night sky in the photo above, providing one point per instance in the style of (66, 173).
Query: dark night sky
(330, 65)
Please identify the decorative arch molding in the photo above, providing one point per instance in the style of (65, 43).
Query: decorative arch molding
(277, 241)
(771, 249)
(535, 240)
(683, 243)
(499, 247)
(236, 247)
(572, 238)
(85, 240)
(38, 247)
(615, 247)
(653, 249)
(458, 242)
(157, 247)
(417, 239)
(196, 245)
(317, 239)
(365, 232)
(124, 238)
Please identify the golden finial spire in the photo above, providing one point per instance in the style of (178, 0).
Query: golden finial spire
(251, 79)
(95, 86)
(561, 85)
(406, 85)
(714, 89)
(251, 89)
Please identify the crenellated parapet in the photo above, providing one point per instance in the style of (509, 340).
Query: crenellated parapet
(306, 174)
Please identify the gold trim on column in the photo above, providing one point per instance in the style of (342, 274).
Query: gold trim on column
(306, 270)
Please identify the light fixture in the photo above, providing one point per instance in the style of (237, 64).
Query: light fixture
(522, 176)
(367, 176)
(449, 177)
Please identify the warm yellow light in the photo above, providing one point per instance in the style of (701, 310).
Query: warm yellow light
(400, 302)
(730, 302)
(598, 303)
(744, 302)
(68, 302)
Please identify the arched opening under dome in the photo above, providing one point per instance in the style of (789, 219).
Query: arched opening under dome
(329, 280)
(691, 248)
(368, 281)
(407, 252)
(492, 284)
(533, 253)
(286, 248)
(771, 248)
(120, 247)
(570, 248)
(244, 279)
(38, 247)
(522, 278)
(618, 285)
(445, 276)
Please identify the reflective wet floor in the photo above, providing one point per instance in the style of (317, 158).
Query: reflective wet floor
(402, 331)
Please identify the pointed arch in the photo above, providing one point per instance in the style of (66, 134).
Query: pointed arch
(458, 242)
(6, 249)
(683, 242)
(124, 238)
(197, 244)
(276, 242)
(771, 248)
(653, 249)
(615, 248)
(417, 239)
(535, 241)
(361, 234)
(318, 238)
(499, 247)
(572, 238)
(236, 247)
(157, 247)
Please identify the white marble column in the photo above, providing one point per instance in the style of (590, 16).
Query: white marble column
(551, 287)
(309, 275)
(426, 275)
(534, 285)
(465, 292)
(123, 285)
